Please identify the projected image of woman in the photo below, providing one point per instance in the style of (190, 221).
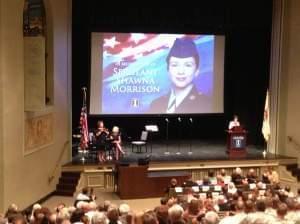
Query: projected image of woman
(183, 67)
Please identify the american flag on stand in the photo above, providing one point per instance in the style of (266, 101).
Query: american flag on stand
(84, 131)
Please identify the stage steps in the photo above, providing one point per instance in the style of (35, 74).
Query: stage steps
(67, 183)
(295, 171)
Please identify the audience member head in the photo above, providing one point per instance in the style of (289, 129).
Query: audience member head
(175, 213)
(162, 214)
(18, 218)
(171, 202)
(223, 172)
(238, 171)
(124, 209)
(249, 206)
(239, 206)
(85, 220)
(98, 218)
(282, 210)
(260, 206)
(206, 180)
(106, 205)
(163, 201)
(11, 211)
(112, 215)
(211, 218)
(291, 203)
(193, 208)
(149, 218)
(63, 214)
(173, 182)
(211, 173)
(85, 190)
(77, 215)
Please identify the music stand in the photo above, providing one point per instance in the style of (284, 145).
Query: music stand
(191, 129)
(151, 128)
(167, 137)
(179, 134)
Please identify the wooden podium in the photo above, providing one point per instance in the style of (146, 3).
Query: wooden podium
(236, 141)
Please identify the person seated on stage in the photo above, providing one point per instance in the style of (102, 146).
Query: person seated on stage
(234, 123)
(101, 134)
(115, 136)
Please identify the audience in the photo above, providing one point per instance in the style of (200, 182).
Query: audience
(234, 203)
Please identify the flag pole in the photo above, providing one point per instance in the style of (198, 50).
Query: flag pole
(83, 124)
(84, 96)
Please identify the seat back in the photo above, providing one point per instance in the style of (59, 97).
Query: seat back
(144, 136)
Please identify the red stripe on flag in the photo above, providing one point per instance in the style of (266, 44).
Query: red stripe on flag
(84, 140)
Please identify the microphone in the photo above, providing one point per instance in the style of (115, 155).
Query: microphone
(179, 119)
(191, 120)
(167, 120)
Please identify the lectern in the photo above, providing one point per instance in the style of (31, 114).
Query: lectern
(236, 141)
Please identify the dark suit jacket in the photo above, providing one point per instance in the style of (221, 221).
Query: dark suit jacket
(194, 102)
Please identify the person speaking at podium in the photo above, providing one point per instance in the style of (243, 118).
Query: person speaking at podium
(234, 123)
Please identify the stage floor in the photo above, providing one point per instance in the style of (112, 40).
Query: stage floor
(181, 152)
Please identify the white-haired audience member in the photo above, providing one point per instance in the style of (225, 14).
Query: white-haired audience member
(176, 214)
(99, 218)
(124, 210)
(34, 208)
(211, 217)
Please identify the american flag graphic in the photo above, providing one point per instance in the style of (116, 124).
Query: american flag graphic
(84, 131)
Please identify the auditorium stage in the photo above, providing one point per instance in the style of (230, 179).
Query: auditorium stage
(186, 153)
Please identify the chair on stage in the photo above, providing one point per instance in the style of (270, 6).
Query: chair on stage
(141, 143)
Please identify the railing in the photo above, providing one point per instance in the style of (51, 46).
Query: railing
(51, 177)
(294, 142)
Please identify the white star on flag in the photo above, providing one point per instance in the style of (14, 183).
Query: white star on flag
(106, 54)
(137, 37)
(110, 42)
